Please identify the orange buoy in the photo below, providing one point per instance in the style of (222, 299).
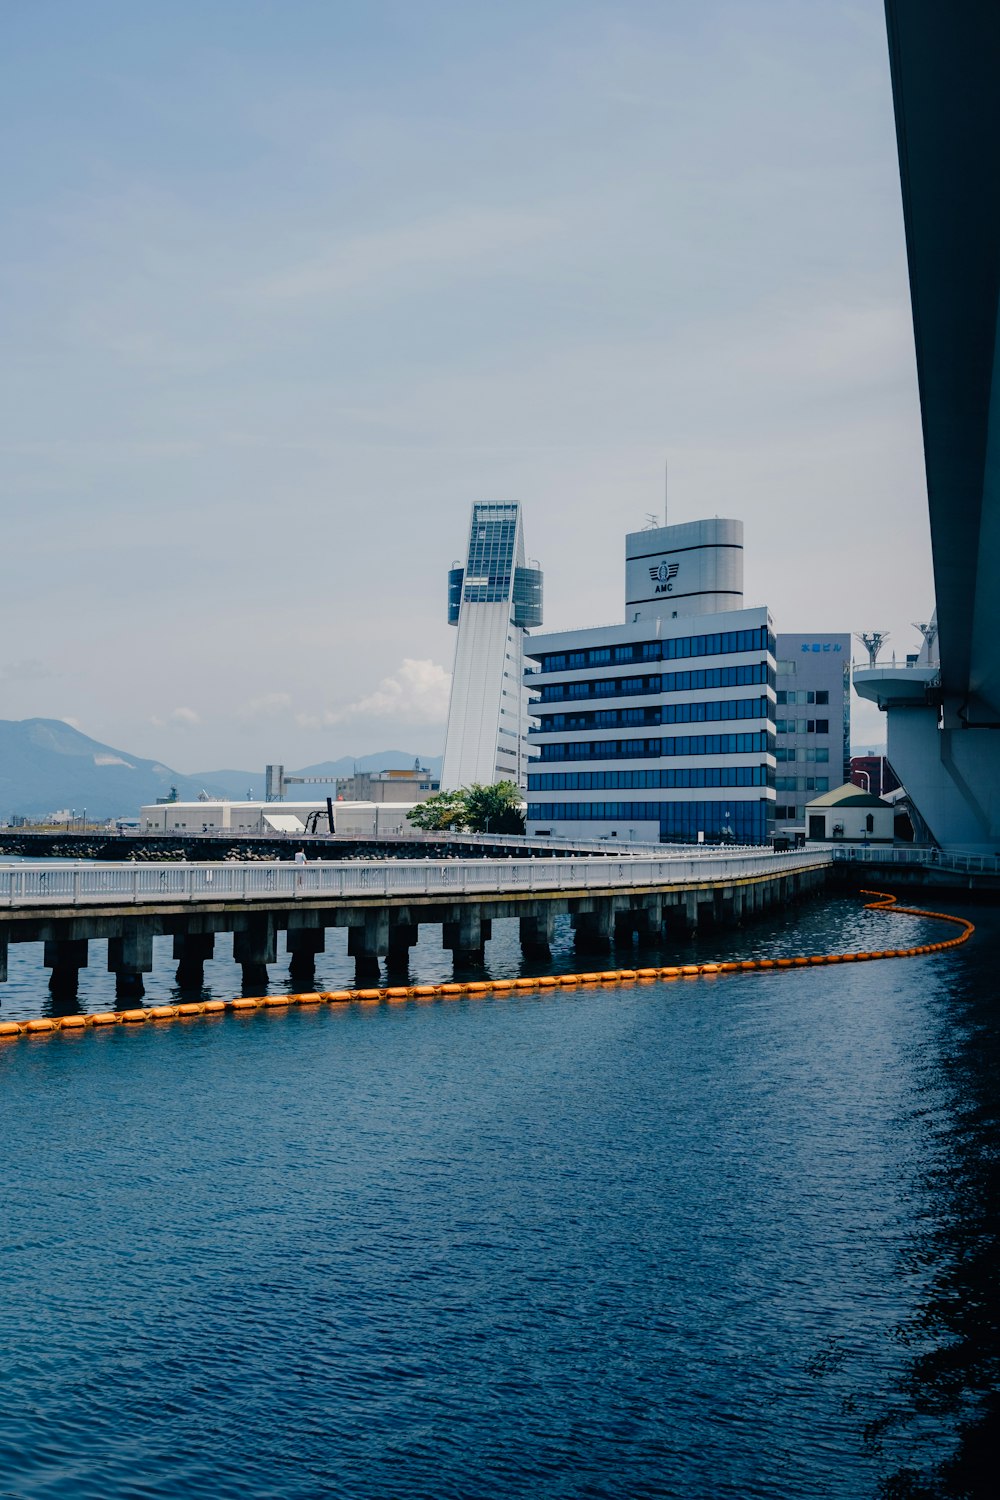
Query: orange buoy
(73, 1023)
(104, 1018)
(133, 1017)
(245, 1002)
(40, 1023)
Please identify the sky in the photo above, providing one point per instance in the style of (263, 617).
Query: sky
(287, 285)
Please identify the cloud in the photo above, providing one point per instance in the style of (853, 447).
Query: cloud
(177, 718)
(68, 719)
(417, 693)
(266, 706)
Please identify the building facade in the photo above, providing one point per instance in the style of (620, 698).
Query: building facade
(813, 723)
(660, 729)
(493, 600)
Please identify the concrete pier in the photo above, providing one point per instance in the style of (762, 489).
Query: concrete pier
(655, 902)
(65, 957)
(130, 956)
(255, 945)
(192, 950)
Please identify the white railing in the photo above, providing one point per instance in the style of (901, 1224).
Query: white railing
(24, 887)
(934, 859)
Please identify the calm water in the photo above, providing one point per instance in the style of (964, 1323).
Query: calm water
(728, 1238)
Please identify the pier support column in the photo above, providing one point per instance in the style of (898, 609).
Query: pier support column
(3, 957)
(467, 937)
(536, 934)
(672, 917)
(402, 937)
(593, 930)
(192, 950)
(129, 958)
(254, 947)
(303, 944)
(65, 957)
(648, 923)
(367, 940)
(738, 896)
(691, 910)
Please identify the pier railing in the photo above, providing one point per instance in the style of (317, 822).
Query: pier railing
(931, 859)
(38, 885)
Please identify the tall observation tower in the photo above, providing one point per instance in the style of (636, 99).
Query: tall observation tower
(493, 600)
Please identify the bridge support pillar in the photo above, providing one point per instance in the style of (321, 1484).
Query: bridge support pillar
(536, 933)
(367, 940)
(65, 957)
(254, 947)
(671, 916)
(192, 950)
(467, 937)
(648, 922)
(594, 930)
(303, 944)
(129, 958)
(402, 937)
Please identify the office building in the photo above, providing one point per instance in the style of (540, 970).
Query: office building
(660, 729)
(813, 723)
(493, 600)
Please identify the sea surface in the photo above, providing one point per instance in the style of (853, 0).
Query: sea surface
(729, 1237)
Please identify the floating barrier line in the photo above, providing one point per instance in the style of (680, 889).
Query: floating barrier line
(190, 1010)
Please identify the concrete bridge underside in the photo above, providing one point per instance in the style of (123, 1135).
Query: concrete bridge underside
(943, 741)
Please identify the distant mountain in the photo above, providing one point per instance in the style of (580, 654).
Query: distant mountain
(46, 765)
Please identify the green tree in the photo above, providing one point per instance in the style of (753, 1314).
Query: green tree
(494, 809)
(443, 811)
(477, 808)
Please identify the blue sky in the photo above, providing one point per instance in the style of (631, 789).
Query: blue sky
(284, 288)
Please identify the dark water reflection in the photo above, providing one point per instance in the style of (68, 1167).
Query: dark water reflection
(731, 1238)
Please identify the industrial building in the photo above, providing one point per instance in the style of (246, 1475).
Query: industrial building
(353, 819)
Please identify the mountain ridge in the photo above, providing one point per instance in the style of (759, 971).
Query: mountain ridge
(47, 765)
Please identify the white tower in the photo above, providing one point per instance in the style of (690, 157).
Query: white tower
(493, 600)
(695, 568)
